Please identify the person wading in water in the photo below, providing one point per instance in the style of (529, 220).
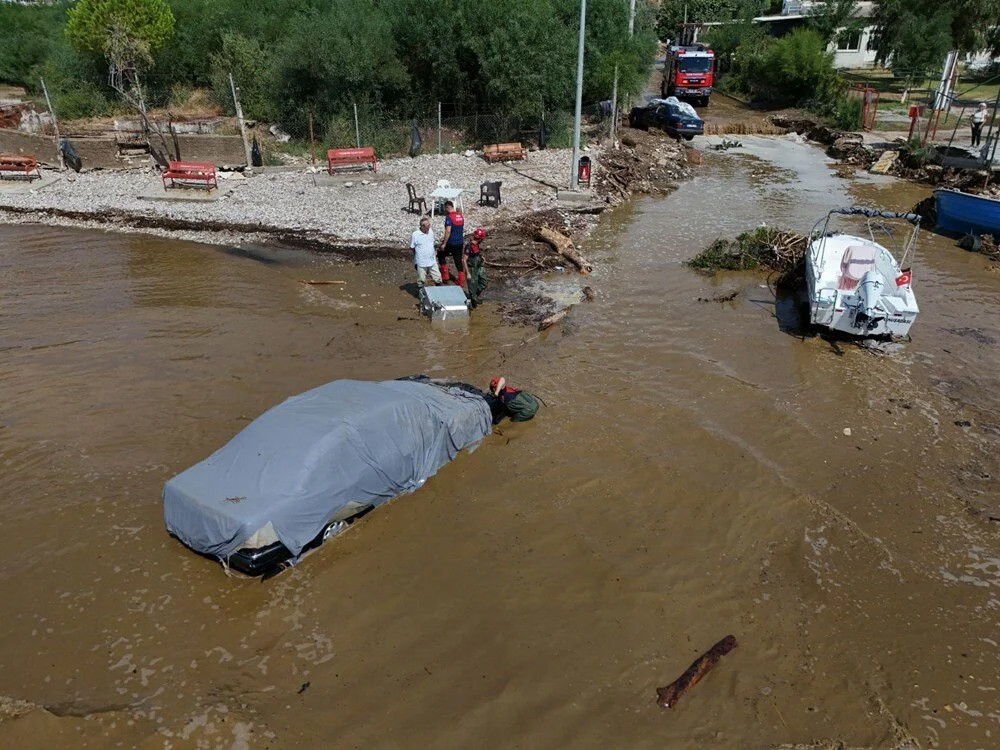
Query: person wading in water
(472, 264)
(422, 245)
(453, 242)
(520, 406)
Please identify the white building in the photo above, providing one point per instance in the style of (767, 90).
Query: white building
(854, 51)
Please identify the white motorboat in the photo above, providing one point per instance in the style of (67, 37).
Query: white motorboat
(855, 285)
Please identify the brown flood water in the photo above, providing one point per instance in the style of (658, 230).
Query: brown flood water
(690, 478)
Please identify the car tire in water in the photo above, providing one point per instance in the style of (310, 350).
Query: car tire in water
(688, 137)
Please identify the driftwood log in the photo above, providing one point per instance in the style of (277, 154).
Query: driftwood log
(669, 695)
(554, 318)
(564, 246)
(318, 282)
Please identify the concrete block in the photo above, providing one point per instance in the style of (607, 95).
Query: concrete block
(156, 192)
(14, 185)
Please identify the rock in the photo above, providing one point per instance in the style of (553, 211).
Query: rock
(933, 173)
(845, 145)
(348, 184)
(847, 431)
(661, 162)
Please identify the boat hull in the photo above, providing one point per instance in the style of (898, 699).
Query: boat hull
(841, 307)
(961, 212)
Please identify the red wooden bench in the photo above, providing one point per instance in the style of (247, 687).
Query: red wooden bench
(190, 171)
(351, 157)
(22, 165)
(503, 152)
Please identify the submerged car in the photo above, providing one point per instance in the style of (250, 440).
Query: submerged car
(674, 117)
(306, 469)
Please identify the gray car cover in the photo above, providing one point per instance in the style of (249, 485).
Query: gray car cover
(300, 462)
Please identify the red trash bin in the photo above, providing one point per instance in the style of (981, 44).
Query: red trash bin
(583, 170)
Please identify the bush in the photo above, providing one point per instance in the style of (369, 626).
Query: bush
(794, 70)
(75, 82)
(847, 113)
(913, 155)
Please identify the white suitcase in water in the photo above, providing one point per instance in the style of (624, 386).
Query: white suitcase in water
(446, 302)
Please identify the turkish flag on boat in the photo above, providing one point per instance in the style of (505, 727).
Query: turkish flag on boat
(904, 278)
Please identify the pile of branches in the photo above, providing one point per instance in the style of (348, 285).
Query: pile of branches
(620, 171)
(763, 248)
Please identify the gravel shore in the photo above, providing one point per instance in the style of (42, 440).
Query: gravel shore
(367, 208)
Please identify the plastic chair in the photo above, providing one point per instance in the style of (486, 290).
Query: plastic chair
(490, 191)
(418, 204)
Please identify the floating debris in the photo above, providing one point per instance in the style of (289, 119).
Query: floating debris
(669, 695)
(763, 248)
(727, 144)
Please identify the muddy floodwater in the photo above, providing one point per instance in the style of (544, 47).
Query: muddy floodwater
(699, 470)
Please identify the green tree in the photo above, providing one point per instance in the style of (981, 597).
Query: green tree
(29, 33)
(92, 23)
(672, 13)
(917, 34)
(334, 56)
(251, 67)
(835, 19)
(737, 45)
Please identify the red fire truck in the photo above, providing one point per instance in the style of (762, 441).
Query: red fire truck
(689, 73)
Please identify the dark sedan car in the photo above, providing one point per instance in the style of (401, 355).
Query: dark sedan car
(668, 117)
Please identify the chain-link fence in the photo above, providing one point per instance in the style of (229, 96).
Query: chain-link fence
(426, 133)
(302, 135)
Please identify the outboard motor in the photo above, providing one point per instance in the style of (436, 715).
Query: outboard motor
(869, 292)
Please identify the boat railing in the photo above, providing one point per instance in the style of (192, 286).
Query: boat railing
(871, 213)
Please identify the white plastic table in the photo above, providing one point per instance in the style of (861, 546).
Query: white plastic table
(446, 194)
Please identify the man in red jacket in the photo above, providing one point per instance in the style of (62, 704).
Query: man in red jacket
(453, 243)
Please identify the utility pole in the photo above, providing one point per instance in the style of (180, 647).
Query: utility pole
(55, 125)
(574, 183)
(357, 131)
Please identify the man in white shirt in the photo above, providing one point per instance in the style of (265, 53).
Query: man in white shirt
(424, 257)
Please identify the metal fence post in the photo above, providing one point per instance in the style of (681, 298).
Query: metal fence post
(357, 131)
(243, 129)
(439, 128)
(55, 124)
(312, 140)
(614, 109)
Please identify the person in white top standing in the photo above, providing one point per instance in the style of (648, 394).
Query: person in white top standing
(424, 256)
(978, 118)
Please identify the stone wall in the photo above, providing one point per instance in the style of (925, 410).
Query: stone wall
(221, 150)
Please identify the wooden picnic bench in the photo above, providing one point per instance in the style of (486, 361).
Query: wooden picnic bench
(21, 165)
(351, 157)
(190, 171)
(503, 152)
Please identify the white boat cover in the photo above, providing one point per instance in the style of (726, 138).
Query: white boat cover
(300, 462)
